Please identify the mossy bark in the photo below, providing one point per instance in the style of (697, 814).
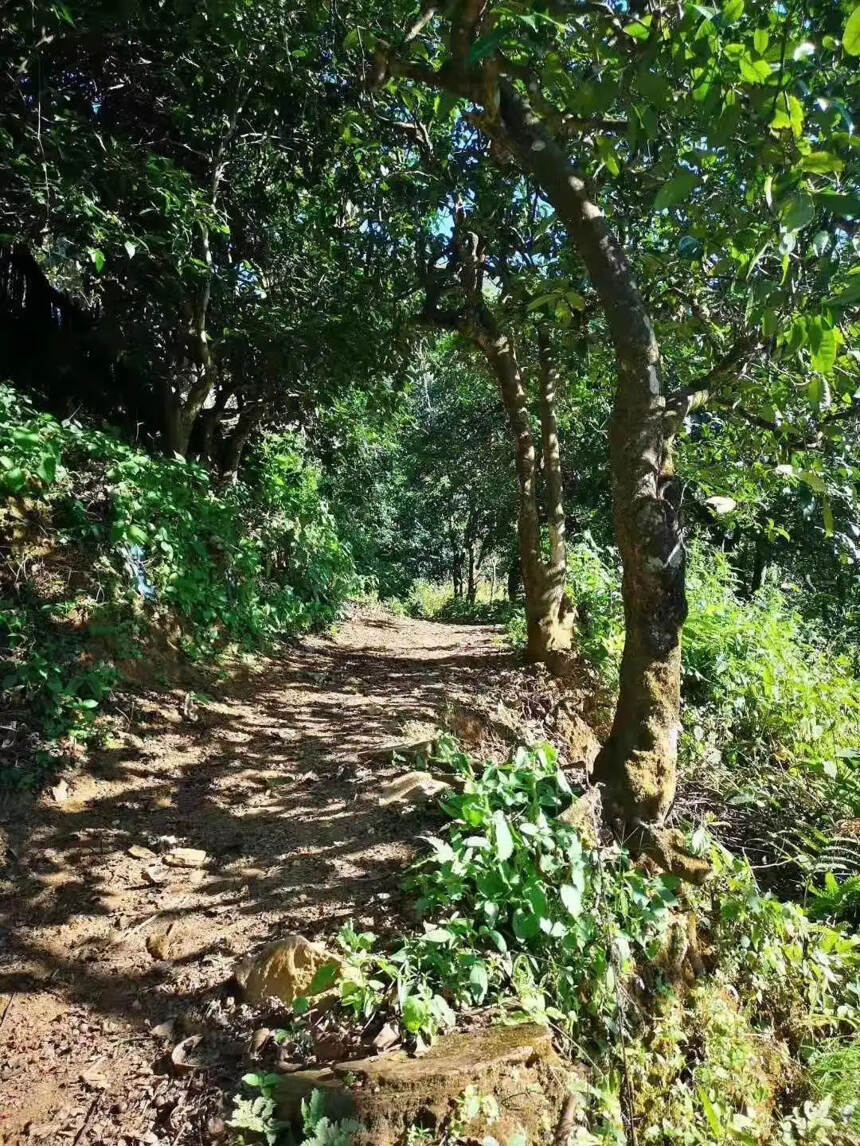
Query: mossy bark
(637, 765)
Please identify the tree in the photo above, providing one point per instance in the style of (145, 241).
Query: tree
(540, 82)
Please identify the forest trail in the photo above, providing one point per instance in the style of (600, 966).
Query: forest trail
(275, 778)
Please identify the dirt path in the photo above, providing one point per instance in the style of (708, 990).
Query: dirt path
(272, 778)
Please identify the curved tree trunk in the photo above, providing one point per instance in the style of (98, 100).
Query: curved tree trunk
(637, 765)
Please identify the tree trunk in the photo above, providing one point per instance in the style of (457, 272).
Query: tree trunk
(472, 584)
(234, 446)
(514, 578)
(548, 629)
(637, 765)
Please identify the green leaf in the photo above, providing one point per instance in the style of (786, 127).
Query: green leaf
(484, 46)
(130, 248)
(97, 258)
(732, 11)
(761, 38)
(851, 35)
(797, 212)
(415, 1014)
(824, 347)
(711, 1114)
(639, 29)
(526, 924)
(479, 981)
(324, 978)
(504, 840)
(674, 190)
(439, 935)
(47, 468)
(844, 206)
(754, 71)
(827, 514)
(822, 163)
(571, 897)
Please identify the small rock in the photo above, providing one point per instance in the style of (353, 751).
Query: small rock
(387, 1037)
(186, 857)
(158, 944)
(60, 792)
(413, 787)
(259, 1038)
(164, 1030)
(154, 876)
(584, 815)
(283, 970)
(137, 851)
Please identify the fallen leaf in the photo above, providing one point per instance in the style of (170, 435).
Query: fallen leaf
(93, 1078)
(182, 1055)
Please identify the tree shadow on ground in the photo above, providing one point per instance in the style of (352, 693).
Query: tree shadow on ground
(277, 783)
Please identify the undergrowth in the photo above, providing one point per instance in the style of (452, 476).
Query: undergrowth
(771, 705)
(107, 550)
(704, 1016)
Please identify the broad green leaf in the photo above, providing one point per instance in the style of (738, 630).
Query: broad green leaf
(639, 29)
(761, 38)
(325, 977)
(842, 205)
(732, 11)
(526, 924)
(571, 897)
(679, 187)
(97, 258)
(479, 981)
(504, 840)
(797, 212)
(822, 163)
(823, 343)
(851, 35)
(754, 71)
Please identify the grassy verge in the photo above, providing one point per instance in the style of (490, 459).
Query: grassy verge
(106, 550)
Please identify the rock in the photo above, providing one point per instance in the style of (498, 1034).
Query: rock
(581, 746)
(516, 1065)
(413, 788)
(186, 857)
(387, 1037)
(158, 944)
(137, 851)
(473, 723)
(584, 815)
(283, 970)
(60, 792)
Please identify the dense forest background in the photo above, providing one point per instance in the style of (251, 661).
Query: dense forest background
(541, 315)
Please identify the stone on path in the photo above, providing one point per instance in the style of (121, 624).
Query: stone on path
(412, 788)
(283, 970)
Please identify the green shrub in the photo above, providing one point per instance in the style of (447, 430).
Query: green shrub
(524, 918)
(106, 545)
